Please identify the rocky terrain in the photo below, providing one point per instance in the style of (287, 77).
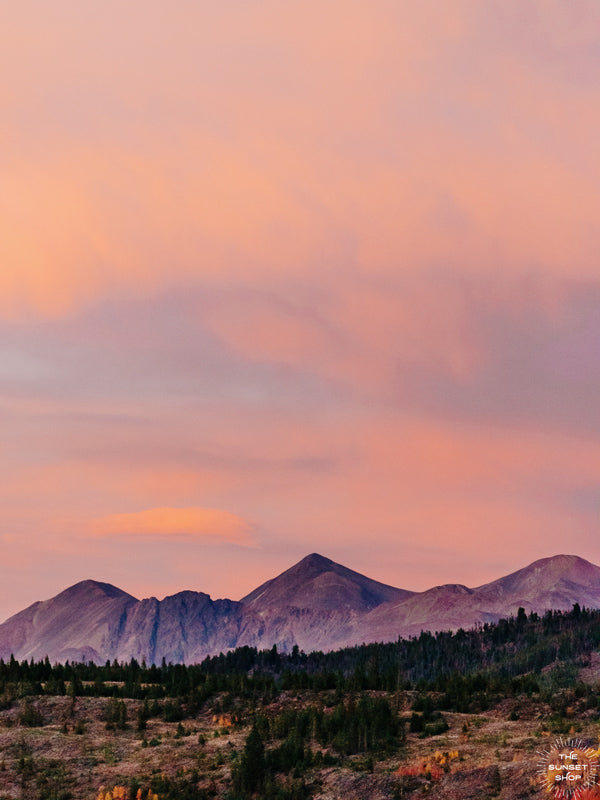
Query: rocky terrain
(72, 753)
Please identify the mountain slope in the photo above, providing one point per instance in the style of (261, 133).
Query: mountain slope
(550, 583)
(182, 628)
(316, 604)
(556, 582)
(77, 625)
(319, 583)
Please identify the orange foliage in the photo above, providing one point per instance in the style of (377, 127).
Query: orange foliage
(432, 768)
(116, 793)
(424, 769)
(122, 793)
(224, 720)
(446, 758)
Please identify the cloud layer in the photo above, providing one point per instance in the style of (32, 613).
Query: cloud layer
(326, 267)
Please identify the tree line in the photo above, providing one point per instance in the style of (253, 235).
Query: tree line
(500, 658)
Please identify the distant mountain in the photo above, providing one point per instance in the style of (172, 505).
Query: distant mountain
(556, 582)
(320, 584)
(76, 625)
(550, 583)
(316, 604)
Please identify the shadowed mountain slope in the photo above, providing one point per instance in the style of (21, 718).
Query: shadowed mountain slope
(319, 583)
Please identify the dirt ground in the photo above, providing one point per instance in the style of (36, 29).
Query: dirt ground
(480, 756)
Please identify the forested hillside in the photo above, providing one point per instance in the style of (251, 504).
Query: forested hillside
(397, 718)
(494, 653)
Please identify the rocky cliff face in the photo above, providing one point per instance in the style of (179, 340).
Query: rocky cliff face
(316, 604)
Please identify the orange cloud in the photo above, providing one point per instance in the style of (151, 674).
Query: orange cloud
(177, 523)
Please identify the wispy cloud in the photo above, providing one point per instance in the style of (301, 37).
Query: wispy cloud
(332, 266)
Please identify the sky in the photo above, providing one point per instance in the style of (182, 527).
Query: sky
(282, 277)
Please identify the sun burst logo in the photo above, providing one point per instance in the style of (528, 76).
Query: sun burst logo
(568, 768)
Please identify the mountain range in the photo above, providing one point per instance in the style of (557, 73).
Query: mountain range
(317, 604)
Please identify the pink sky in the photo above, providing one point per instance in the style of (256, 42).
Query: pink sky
(278, 278)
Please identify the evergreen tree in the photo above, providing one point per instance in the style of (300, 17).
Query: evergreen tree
(250, 776)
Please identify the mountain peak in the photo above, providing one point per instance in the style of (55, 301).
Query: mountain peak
(547, 583)
(316, 604)
(312, 565)
(91, 589)
(318, 582)
(315, 559)
(561, 561)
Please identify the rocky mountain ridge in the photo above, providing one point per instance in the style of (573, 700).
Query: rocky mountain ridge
(317, 604)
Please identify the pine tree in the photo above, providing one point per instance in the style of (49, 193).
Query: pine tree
(250, 776)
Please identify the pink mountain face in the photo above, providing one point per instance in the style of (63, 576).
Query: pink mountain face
(317, 604)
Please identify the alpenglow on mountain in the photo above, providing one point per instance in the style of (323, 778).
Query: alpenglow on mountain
(316, 604)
